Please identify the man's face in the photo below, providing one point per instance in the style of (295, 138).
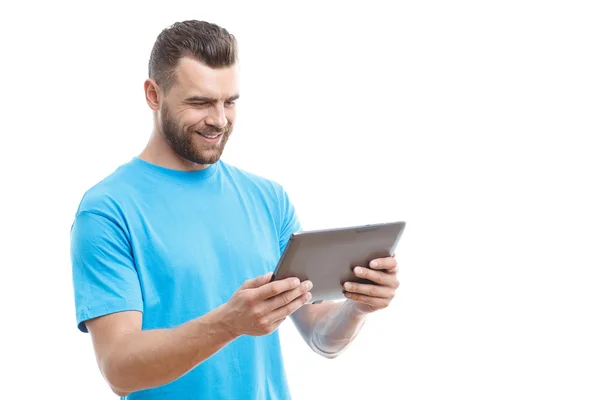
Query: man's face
(198, 114)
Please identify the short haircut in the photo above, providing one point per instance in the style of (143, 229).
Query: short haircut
(203, 41)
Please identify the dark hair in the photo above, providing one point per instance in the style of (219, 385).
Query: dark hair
(204, 41)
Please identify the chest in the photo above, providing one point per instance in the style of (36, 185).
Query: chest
(193, 255)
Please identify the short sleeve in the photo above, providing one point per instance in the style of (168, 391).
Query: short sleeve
(105, 279)
(290, 223)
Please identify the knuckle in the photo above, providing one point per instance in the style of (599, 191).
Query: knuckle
(287, 297)
(247, 298)
(372, 291)
(263, 324)
(256, 313)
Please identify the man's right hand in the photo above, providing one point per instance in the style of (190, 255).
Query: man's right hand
(259, 306)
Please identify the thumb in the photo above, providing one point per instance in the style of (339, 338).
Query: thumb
(257, 282)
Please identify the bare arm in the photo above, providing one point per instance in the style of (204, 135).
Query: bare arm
(328, 328)
(131, 359)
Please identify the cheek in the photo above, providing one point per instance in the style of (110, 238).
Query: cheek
(230, 114)
(192, 118)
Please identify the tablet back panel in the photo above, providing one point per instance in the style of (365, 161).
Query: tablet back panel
(327, 257)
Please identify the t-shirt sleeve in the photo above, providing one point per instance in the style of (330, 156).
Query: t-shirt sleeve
(105, 279)
(290, 223)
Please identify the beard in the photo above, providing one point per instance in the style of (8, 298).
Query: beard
(187, 143)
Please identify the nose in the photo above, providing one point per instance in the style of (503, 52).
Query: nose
(217, 117)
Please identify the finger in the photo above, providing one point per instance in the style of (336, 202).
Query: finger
(275, 324)
(290, 308)
(287, 297)
(274, 288)
(374, 302)
(387, 263)
(379, 277)
(383, 292)
(257, 282)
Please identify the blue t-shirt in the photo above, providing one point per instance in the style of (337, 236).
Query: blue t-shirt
(175, 245)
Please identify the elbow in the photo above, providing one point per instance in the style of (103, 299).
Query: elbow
(115, 379)
(320, 349)
(118, 386)
(329, 356)
(120, 393)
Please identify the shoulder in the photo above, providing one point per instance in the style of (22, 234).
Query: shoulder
(250, 180)
(105, 197)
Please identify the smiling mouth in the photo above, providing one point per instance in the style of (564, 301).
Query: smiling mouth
(213, 136)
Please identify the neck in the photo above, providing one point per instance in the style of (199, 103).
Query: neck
(158, 152)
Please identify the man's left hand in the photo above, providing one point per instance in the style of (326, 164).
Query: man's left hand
(370, 297)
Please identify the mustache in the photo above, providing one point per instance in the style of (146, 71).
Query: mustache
(211, 130)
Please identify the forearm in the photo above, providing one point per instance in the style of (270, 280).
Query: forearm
(152, 358)
(335, 330)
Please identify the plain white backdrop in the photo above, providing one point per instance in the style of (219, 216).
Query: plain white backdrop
(475, 122)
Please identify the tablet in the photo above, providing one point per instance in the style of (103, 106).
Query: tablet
(327, 257)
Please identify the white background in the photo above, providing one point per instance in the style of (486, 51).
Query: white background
(476, 122)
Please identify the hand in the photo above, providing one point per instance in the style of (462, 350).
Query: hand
(259, 306)
(368, 297)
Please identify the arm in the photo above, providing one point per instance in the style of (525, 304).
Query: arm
(109, 305)
(131, 359)
(328, 328)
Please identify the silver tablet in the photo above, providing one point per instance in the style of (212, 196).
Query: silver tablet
(327, 257)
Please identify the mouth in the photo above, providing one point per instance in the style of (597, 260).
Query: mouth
(212, 138)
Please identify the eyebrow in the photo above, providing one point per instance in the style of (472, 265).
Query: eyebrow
(201, 99)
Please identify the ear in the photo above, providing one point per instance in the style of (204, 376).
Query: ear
(153, 93)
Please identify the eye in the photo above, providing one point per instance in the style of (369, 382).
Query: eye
(230, 103)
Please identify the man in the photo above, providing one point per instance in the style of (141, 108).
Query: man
(172, 252)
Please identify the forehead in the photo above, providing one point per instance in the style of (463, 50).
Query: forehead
(196, 78)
